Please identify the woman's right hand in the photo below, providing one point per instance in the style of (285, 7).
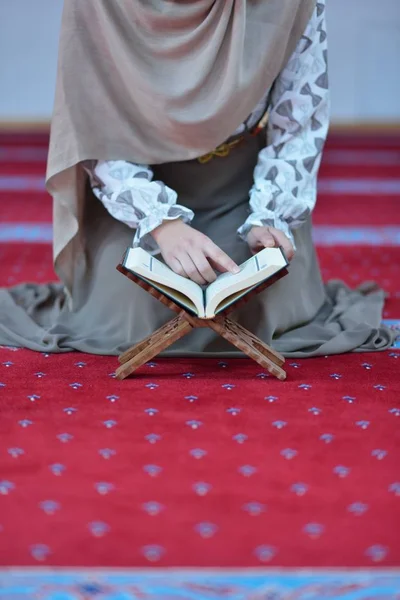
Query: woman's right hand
(190, 253)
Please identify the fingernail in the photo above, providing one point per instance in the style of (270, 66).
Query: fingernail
(235, 270)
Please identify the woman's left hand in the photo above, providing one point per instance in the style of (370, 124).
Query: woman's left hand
(259, 238)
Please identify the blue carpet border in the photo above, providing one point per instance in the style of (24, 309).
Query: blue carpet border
(199, 584)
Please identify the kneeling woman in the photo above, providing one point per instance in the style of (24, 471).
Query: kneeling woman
(194, 130)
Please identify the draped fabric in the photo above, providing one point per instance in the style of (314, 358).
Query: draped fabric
(153, 82)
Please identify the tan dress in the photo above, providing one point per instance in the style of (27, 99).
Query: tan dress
(299, 315)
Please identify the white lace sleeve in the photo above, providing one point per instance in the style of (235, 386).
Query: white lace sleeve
(129, 194)
(285, 178)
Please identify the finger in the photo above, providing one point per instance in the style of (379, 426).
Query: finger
(203, 266)
(221, 260)
(190, 268)
(177, 267)
(265, 239)
(282, 240)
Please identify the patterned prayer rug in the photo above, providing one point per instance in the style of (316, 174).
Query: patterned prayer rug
(209, 464)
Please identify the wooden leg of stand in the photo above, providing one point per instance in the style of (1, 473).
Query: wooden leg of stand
(152, 346)
(135, 350)
(248, 343)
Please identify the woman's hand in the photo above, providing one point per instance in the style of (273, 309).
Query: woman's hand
(269, 237)
(191, 253)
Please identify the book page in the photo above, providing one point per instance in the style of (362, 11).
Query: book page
(233, 298)
(224, 280)
(252, 272)
(143, 264)
(176, 296)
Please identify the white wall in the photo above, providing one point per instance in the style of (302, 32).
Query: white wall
(28, 58)
(364, 59)
(364, 55)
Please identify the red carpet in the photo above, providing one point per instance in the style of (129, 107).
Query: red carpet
(202, 463)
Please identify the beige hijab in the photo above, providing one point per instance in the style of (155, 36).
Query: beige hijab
(155, 81)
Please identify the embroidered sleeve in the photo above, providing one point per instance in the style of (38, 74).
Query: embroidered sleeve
(130, 195)
(285, 178)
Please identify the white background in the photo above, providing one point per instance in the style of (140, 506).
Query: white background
(364, 45)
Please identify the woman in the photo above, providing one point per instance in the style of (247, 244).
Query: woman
(195, 128)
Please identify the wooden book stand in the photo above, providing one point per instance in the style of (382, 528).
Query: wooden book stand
(184, 322)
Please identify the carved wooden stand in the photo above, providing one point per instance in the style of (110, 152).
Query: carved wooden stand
(184, 322)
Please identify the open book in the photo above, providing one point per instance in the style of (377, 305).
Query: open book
(205, 302)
